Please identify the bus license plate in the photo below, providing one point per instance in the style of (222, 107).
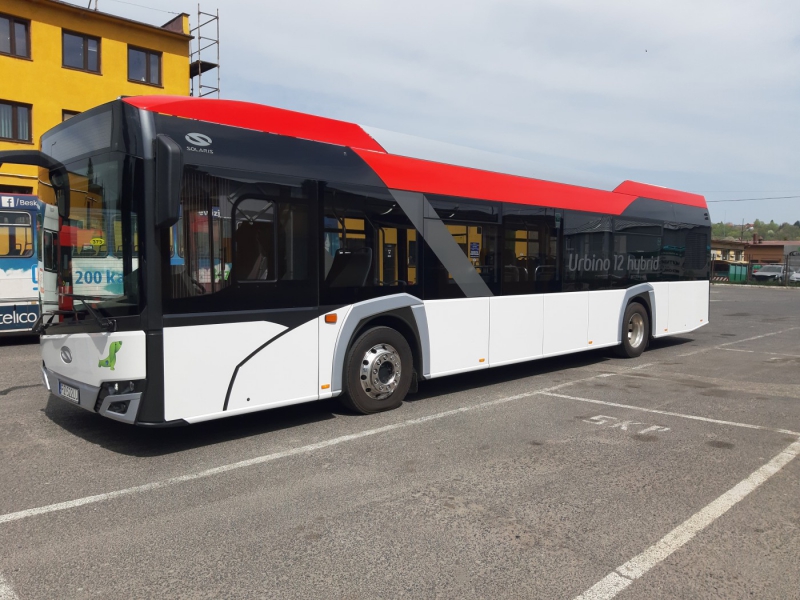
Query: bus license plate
(69, 392)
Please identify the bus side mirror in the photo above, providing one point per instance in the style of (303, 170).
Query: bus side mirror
(59, 177)
(169, 172)
(60, 181)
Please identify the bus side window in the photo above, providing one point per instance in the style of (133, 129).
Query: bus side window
(530, 250)
(368, 245)
(5, 240)
(637, 248)
(253, 241)
(237, 228)
(587, 251)
(16, 235)
(47, 258)
(473, 226)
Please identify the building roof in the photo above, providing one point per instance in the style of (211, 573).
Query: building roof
(107, 16)
(774, 243)
(721, 242)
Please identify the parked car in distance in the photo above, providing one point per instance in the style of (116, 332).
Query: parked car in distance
(795, 277)
(769, 273)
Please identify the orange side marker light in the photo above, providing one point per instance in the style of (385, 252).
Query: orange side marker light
(330, 318)
(326, 386)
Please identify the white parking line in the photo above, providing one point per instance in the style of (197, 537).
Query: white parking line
(761, 352)
(41, 510)
(619, 579)
(6, 592)
(721, 346)
(550, 391)
(669, 413)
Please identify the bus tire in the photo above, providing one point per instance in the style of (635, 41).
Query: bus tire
(377, 371)
(635, 331)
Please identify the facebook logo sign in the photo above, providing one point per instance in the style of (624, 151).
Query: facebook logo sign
(7, 202)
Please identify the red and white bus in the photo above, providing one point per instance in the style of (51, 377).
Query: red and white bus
(318, 258)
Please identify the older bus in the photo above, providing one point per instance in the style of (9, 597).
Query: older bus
(20, 220)
(267, 257)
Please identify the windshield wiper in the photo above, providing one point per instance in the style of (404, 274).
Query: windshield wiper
(105, 324)
(109, 325)
(40, 327)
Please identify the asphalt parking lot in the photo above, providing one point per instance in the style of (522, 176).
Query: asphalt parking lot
(673, 475)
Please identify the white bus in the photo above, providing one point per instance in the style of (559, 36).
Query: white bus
(20, 220)
(319, 258)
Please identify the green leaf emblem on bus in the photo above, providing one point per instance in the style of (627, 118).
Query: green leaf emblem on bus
(111, 359)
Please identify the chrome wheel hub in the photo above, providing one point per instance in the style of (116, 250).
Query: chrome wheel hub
(635, 330)
(380, 371)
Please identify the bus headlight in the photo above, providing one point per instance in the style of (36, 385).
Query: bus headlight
(117, 388)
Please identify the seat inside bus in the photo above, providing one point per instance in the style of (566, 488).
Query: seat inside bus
(251, 250)
(350, 268)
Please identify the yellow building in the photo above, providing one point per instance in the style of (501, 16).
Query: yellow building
(58, 59)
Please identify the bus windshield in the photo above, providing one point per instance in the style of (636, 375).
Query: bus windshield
(99, 242)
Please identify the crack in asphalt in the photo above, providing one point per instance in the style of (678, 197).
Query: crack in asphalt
(18, 387)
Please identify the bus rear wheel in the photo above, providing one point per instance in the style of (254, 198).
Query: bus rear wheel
(377, 371)
(635, 331)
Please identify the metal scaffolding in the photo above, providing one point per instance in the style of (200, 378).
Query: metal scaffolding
(206, 43)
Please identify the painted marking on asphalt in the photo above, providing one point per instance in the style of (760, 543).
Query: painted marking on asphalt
(616, 581)
(608, 587)
(6, 591)
(722, 346)
(654, 429)
(761, 352)
(550, 391)
(41, 510)
(637, 367)
(615, 423)
(669, 413)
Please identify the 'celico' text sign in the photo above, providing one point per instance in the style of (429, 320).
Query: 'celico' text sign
(18, 316)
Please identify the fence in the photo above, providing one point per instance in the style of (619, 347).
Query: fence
(786, 274)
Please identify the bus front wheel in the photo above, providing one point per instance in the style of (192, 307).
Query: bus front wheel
(378, 371)
(635, 331)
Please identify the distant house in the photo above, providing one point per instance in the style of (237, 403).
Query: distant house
(759, 252)
(727, 250)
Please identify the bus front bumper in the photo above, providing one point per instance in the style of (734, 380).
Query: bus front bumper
(120, 407)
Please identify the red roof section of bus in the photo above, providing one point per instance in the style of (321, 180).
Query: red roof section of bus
(415, 175)
(260, 118)
(412, 174)
(656, 192)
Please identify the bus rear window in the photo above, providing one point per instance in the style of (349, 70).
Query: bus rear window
(16, 234)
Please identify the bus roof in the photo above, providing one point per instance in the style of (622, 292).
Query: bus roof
(416, 164)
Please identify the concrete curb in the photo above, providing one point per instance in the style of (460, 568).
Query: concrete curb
(760, 287)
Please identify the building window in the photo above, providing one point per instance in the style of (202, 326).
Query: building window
(81, 52)
(144, 66)
(14, 37)
(15, 121)
(66, 115)
(16, 189)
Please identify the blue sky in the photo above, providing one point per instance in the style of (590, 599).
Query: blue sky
(699, 96)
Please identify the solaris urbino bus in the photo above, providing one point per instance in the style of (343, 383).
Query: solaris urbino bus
(269, 258)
